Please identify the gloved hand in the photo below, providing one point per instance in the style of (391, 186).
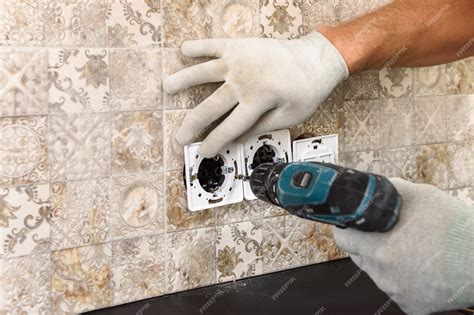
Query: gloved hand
(276, 84)
(426, 262)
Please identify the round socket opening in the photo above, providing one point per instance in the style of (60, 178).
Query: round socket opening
(210, 174)
(264, 154)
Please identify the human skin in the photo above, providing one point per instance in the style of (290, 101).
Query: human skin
(406, 33)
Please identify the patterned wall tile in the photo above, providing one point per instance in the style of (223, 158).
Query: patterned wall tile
(178, 217)
(364, 161)
(430, 80)
(397, 123)
(242, 211)
(25, 284)
(24, 150)
(24, 220)
(138, 268)
(82, 213)
(362, 86)
(319, 13)
(137, 205)
(81, 279)
(135, 79)
(23, 82)
(396, 82)
(137, 142)
(460, 164)
(173, 61)
(284, 243)
(185, 20)
(320, 243)
(460, 118)
(236, 19)
(239, 250)
(361, 126)
(268, 210)
(174, 153)
(431, 161)
(354, 8)
(79, 146)
(398, 163)
(191, 259)
(134, 23)
(460, 76)
(79, 80)
(465, 194)
(282, 19)
(430, 120)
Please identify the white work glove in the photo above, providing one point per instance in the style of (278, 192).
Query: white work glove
(426, 262)
(276, 84)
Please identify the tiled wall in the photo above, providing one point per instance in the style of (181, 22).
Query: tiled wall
(92, 202)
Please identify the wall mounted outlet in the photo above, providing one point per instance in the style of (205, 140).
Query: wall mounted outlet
(316, 149)
(213, 182)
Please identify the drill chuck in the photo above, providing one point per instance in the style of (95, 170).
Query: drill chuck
(329, 193)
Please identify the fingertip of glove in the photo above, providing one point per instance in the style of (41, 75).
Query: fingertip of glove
(169, 85)
(183, 136)
(207, 151)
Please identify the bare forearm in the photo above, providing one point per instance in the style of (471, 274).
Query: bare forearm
(409, 33)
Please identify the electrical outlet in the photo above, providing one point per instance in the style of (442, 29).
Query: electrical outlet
(316, 149)
(270, 147)
(213, 182)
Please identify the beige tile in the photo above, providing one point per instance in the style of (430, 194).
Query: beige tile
(25, 220)
(174, 152)
(465, 194)
(396, 82)
(319, 13)
(354, 8)
(281, 19)
(24, 150)
(399, 163)
(284, 243)
(83, 213)
(24, 82)
(137, 205)
(361, 126)
(79, 146)
(81, 279)
(460, 164)
(242, 211)
(396, 125)
(430, 81)
(460, 117)
(430, 120)
(135, 79)
(362, 86)
(79, 80)
(178, 217)
(173, 61)
(185, 20)
(321, 245)
(137, 142)
(191, 259)
(460, 76)
(134, 23)
(25, 284)
(236, 19)
(239, 250)
(138, 268)
(364, 161)
(431, 161)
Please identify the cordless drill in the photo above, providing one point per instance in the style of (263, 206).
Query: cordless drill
(329, 193)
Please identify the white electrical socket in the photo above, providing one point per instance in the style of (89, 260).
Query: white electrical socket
(316, 149)
(213, 182)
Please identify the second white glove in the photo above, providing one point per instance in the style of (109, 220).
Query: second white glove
(274, 83)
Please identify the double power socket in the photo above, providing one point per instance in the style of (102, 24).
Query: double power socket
(224, 179)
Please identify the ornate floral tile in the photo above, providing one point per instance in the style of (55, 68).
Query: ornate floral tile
(431, 161)
(173, 150)
(320, 243)
(239, 250)
(364, 161)
(460, 76)
(24, 150)
(284, 243)
(396, 82)
(24, 220)
(185, 20)
(137, 205)
(242, 211)
(319, 13)
(460, 164)
(430, 120)
(137, 142)
(173, 61)
(461, 117)
(81, 279)
(397, 127)
(135, 79)
(79, 80)
(23, 82)
(362, 86)
(398, 163)
(178, 217)
(138, 268)
(465, 194)
(282, 19)
(134, 23)
(79, 146)
(191, 259)
(430, 81)
(361, 130)
(25, 284)
(81, 213)
(236, 19)
(354, 8)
